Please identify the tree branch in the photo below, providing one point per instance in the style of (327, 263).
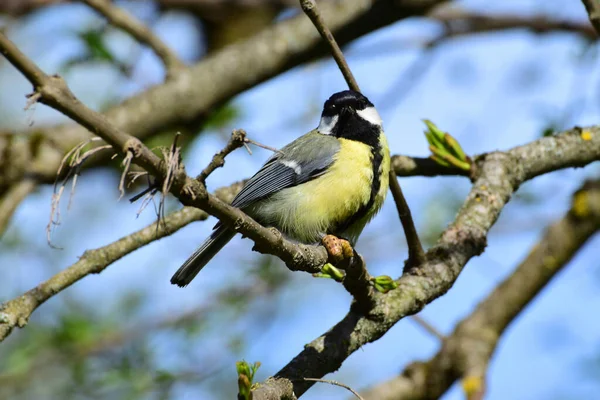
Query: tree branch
(53, 91)
(185, 101)
(499, 176)
(11, 200)
(460, 22)
(140, 32)
(119, 336)
(237, 140)
(312, 12)
(593, 9)
(466, 352)
(16, 312)
(416, 255)
(405, 166)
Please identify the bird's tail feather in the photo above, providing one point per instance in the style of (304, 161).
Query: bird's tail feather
(219, 238)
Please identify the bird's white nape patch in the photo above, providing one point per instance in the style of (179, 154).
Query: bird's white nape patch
(370, 114)
(327, 124)
(293, 165)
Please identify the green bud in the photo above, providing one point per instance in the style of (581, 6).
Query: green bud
(449, 158)
(445, 149)
(440, 161)
(434, 130)
(332, 272)
(455, 147)
(243, 368)
(384, 283)
(245, 377)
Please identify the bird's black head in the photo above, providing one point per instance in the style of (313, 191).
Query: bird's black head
(350, 115)
(346, 100)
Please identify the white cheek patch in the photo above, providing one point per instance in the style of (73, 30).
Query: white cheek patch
(293, 165)
(327, 124)
(370, 114)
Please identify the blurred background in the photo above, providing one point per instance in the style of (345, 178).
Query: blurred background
(127, 333)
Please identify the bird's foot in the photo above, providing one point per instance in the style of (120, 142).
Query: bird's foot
(337, 249)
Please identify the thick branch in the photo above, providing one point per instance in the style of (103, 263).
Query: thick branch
(499, 175)
(467, 351)
(53, 91)
(139, 31)
(184, 102)
(188, 101)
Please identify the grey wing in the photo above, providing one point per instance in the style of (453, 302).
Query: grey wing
(301, 161)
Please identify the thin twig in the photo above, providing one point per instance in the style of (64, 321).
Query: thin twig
(139, 31)
(135, 175)
(148, 196)
(336, 383)
(427, 327)
(126, 165)
(257, 144)
(237, 140)
(311, 10)
(74, 159)
(31, 100)
(416, 255)
(172, 160)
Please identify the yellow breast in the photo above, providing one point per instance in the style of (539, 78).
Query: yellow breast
(307, 211)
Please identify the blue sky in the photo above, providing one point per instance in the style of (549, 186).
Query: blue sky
(469, 90)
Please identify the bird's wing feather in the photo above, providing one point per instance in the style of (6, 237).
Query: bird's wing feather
(301, 161)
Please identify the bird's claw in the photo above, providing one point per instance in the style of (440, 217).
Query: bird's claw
(337, 249)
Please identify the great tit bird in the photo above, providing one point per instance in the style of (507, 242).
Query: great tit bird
(331, 181)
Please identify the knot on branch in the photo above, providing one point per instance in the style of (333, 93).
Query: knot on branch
(134, 146)
(307, 5)
(52, 90)
(193, 190)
